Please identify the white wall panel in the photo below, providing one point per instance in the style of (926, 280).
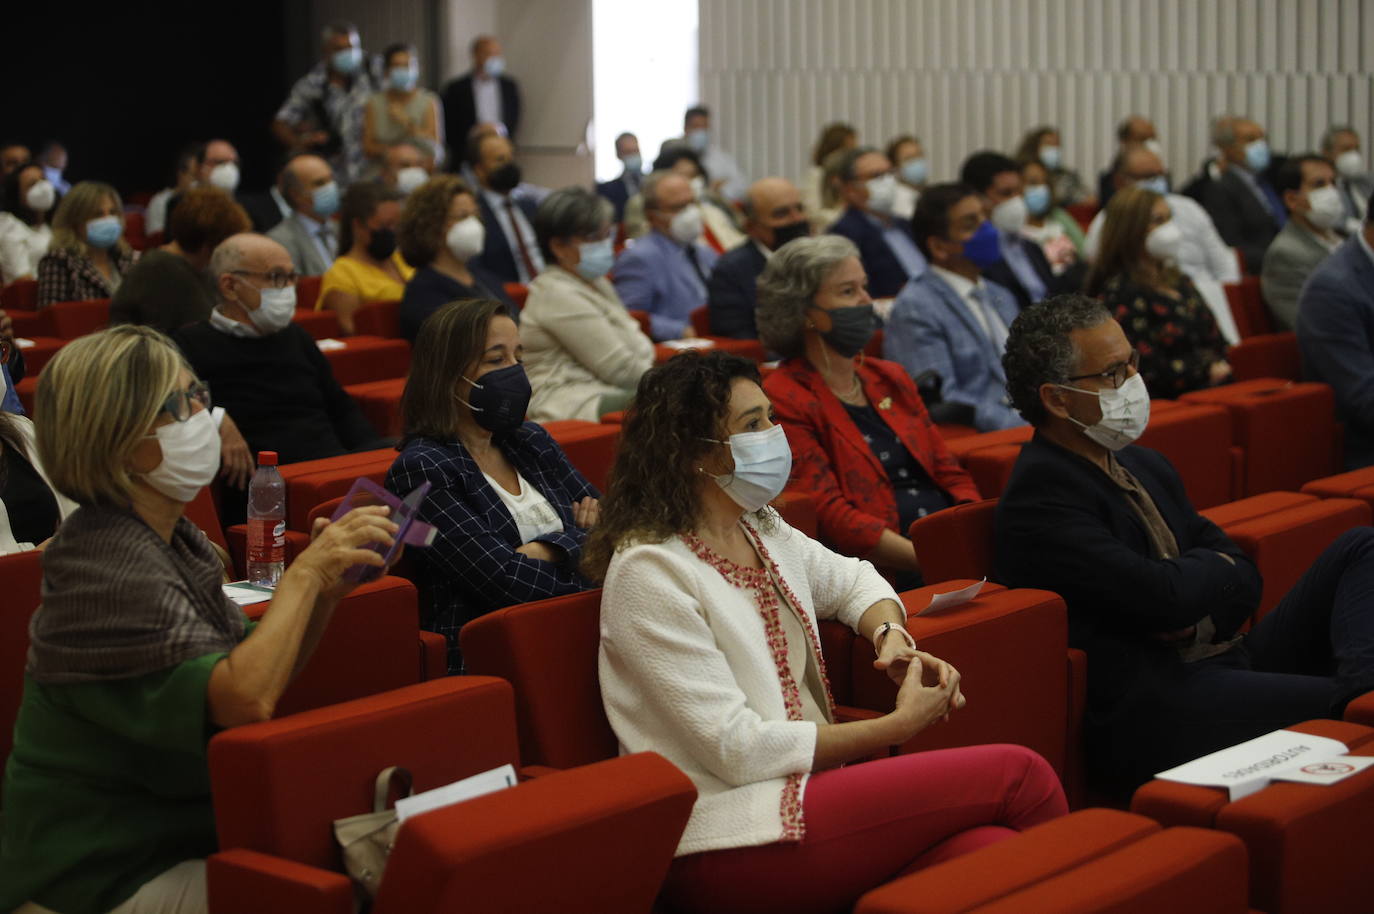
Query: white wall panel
(970, 74)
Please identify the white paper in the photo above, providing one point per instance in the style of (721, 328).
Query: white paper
(945, 601)
(1251, 765)
(694, 342)
(330, 344)
(1329, 771)
(466, 789)
(245, 594)
(24, 343)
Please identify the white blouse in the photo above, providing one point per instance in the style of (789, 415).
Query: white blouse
(533, 515)
(21, 247)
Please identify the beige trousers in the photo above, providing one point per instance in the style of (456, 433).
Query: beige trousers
(180, 890)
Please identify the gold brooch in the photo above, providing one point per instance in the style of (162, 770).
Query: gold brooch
(885, 403)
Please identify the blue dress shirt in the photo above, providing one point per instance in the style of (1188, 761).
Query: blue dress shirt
(656, 275)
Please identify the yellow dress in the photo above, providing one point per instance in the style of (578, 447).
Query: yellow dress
(363, 280)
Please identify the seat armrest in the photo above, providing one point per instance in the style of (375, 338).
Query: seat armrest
(243, 880)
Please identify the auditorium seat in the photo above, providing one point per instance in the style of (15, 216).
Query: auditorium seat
(798, 509)
(311, 482)
(1088, 862)
(71, 319)
(307, 292)
(956, 542)
(589, 446)
(134, 231)
(1248, 307)
(321, 325)
(38, 351)
(517, 292)
(380, 401)
(368, 358)
(21, 580)
(1353, 484)
(700, 319)
(645, 322)
(1309, 845)
(33, 324)
(20, 295)
(1269, 355)
(379, 318)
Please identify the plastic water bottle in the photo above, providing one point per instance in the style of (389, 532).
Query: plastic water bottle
(266, 522)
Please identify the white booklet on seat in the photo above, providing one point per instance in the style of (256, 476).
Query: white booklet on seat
(1284, 755)
(466, 789)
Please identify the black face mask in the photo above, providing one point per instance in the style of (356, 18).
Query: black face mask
(504, 179)
(499, 398)
(850, 329)
(792, 230)
(382, 245)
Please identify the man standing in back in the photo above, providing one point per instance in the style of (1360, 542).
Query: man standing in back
(483, 95)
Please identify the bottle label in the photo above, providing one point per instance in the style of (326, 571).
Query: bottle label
(266, 540)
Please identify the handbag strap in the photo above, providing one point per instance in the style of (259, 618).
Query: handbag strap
(382, 790)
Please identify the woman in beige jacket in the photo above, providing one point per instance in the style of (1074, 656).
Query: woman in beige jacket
(584, 353)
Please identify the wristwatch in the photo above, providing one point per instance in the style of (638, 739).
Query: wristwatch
(892, 627)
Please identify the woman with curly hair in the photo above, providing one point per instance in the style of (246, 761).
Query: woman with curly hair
(709, 656)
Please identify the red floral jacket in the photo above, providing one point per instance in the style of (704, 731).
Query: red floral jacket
(833, 464)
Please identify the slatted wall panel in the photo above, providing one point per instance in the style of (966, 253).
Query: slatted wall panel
(968, 74)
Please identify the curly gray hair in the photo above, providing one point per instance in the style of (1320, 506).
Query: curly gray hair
(1039, 350)
(788, 287)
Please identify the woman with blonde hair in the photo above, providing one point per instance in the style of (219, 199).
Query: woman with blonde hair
(1137, 277)
(88, 256)
(136, 655)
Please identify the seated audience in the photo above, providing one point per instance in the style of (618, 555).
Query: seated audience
(401, 112)
(88, 256)
(727, 178)
(1341, 146)
(440, 235)
(1336, 335)
(719, 229)
(219, 166)
(951, 319)
(710, 656)
(25, 234)
(1307, 186)
(170, 287)
(1156, 593)
(184, 177)
(1042, 144)
(136, 656)
(1243, 204)
(1208, 261)
(1018, 265)
(868, 187)
(583, 350)
(370, 268)
(53, 157)
(509, 510)
(323, 114)
(665, 272)
(1136, 276)
(1047, 223)
(628, 183)
(862, 443)
(30, 510)
(774, 215)
(1133, 131)
(908, 156)
(510, 253)
(404, 168)
(309, 234)
(819, 194)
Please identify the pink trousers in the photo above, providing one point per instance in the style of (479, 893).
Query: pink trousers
(869, 823)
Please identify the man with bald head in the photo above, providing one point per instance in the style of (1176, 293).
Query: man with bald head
(773, 216)
(308, 234)
(1242, 202)
(1203, 255)
(265, 370)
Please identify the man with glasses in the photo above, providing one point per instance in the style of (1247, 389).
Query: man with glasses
(868, 187)
(1156, 593)
(266, 371)
(310, 234)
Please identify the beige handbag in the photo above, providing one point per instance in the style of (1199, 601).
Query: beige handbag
(367, 839)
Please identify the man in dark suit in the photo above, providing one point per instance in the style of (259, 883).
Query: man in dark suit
(483, 95)
(511, 251)
(1156, 593)
(627, 184)
(773, 216)
(1242, 202)
(868, 187)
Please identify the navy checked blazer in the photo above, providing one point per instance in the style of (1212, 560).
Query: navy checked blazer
(472, 567)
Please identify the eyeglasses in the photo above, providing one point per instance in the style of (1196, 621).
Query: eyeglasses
(275, 279)
(1117, 375)
(178, 404)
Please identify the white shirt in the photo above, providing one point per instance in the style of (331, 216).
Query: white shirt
(21, 247)
(720, 165)
(986, 316)
(225, 324)
(533, 515)
(486, 95)
(503, 218)
(155, 214)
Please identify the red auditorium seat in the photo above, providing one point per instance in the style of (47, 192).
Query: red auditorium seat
(321, 325)
(380, 401)
(701, 321)
(1248, 307)
(20, 295)
(1088, 862)
(21, 580)
(39, 353)
(368, 358)
(1269, 355)
(645, 323)
(379, 318)
(312, 482)
(307, 292)
(134, 232)
(1082, 213)
(956, 542)
(33, 324)
(71, 319)
(1353, 484)
(798, 509)
(590, 446)
(517, 292)
(1309, 846)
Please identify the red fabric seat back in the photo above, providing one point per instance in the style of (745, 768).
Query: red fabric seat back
(956, 542)
(379, 318)
(593, 840)
(1247, 307)
(72, 319)
(20, 295)
(307, 292)
(21, 581)
(589, 446)
(547, 650)
(1341, 485)
(1197, 440)
(1270, 355)
(517, 292)
(312, 482)
(279, 785)
(203, 513)
(700, 319)
(135, 231)
(645, 323)
(368, 358)
(321, 325)
(380, 401)
(798, 509)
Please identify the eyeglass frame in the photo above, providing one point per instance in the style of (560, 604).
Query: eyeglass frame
(275, 280)
(1111, 374)
(199, 391)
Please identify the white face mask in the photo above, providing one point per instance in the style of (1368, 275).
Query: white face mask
(41, 196)
(1009, 216)
(1325, 207)
(1164, 241)
(190, 457)
(1125, 413)
(225, 176)
(276, 307)
(698, 185)
(466, 238)
(409, 178)
(1350, 164)
(1154, 146)
(882, 193)
(763, 464)
(686, 225)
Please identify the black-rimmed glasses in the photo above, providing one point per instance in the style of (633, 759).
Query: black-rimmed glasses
(275, 279)
(1115, 376)
(178, 404)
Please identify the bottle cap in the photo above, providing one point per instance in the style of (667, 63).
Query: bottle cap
(267, 458)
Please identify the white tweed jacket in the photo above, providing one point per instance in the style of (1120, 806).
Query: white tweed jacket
(687, 670)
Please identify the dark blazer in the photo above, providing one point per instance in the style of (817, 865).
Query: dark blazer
(1336, 337)
(262, 209)
(885, 273)
(1002, 274)
(472, 566)
(460, 114)
(497, 259)
(1241, 219)
(618, 192)
(1063, 525)
(732, 293)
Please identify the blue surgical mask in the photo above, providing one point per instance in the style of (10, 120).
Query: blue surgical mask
(403, 79)
(763, 464)
(595, 259)
(915, 171)
(1037, 199)
(495, 66)
(1159, 184)
(103, 232)
(699, 139)
(325, 199)
(346, 61)
(1257, 155)
(984, 248)
(634, 163)
(1050, 157)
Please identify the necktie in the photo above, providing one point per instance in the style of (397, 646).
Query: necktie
(992, 324)
(696, 264)
(530, 271)
(327, 239)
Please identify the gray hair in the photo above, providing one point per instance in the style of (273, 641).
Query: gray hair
(1330, 134)
(226, 258)
(849, 160)
(339, 27)
(1039, 350)
(572, 211)
(788, 286)
(649, 188)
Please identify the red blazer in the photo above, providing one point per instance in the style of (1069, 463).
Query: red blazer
(833, 464)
